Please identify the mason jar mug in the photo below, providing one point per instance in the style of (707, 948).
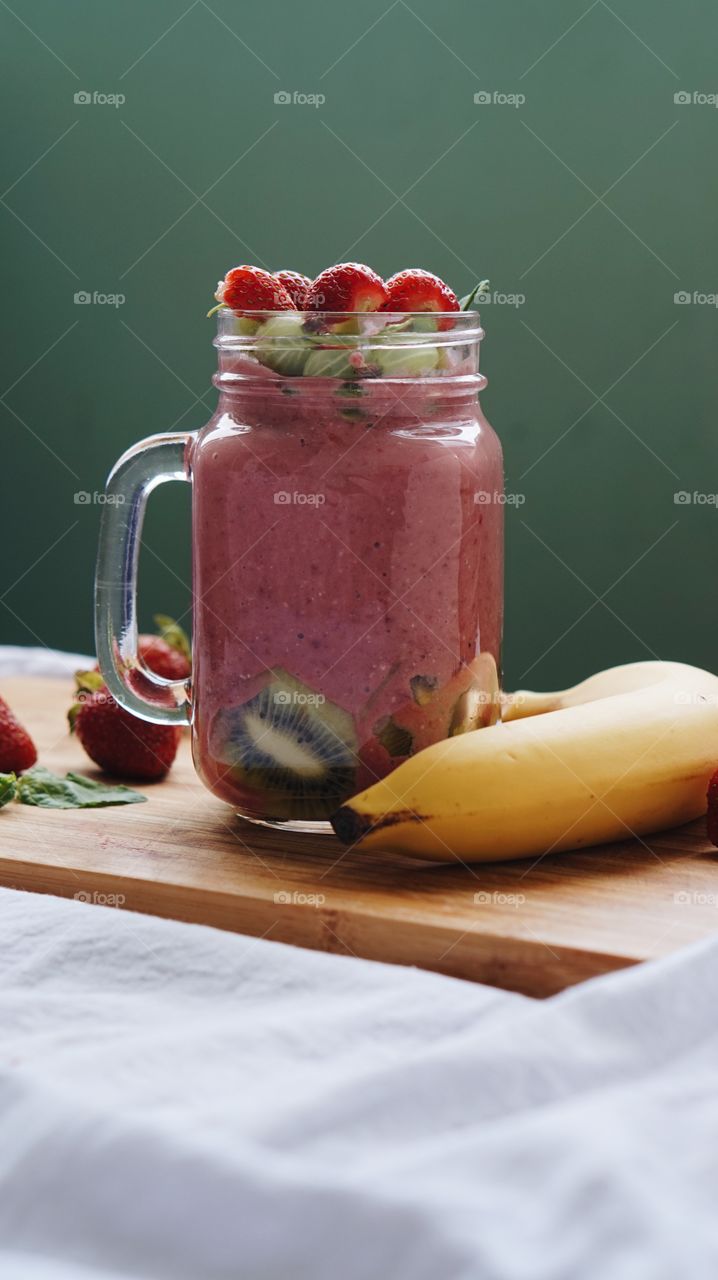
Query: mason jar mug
(347, 546)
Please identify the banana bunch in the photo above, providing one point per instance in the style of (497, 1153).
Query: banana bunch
(627, 752)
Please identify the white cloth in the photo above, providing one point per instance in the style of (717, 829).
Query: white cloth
(178, 1103)
(20, 660)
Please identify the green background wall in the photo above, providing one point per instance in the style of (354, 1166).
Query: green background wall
(603, 566)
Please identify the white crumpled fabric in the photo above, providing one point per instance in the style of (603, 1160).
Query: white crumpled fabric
(183, 1103)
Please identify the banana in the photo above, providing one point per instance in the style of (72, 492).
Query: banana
(627, 752)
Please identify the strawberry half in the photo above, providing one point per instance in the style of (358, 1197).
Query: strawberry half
(17, 749)
(712, 821)
(349, 286)
(417, 290)
(252, 289)
(296, 286)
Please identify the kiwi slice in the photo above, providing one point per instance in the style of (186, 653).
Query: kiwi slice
(406, 362)
(290, 750)
(289, 355)
(330, 362)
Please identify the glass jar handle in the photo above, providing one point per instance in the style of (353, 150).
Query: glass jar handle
(147, 464)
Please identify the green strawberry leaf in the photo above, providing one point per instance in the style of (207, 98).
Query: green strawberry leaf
(8, 788)
(88, 681)
(467, 302)
(174, 634)
(47, 790)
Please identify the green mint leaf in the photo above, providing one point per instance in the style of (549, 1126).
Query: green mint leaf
(466, 303)
(174, 634)
(47, 790)
(8, 788)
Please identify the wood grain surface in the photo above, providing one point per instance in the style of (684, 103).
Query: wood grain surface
(534, 927)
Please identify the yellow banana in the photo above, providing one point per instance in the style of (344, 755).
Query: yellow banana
(628, 751)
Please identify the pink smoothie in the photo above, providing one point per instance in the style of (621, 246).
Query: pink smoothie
(344, 567)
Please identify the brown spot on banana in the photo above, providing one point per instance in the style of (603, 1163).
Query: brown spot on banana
(351, 826)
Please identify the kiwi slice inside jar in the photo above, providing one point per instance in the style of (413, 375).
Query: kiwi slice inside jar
(288, 749)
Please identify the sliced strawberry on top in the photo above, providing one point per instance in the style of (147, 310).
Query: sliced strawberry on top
(713, 809)
(348, 286)
(252, 289)
(17, 749)
(417, 290)
(296, 286)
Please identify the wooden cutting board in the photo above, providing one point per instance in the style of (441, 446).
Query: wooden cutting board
(533, 927)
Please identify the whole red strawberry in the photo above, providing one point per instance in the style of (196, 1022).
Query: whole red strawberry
(712, 821)
(416, 290)
(349, 286)
(168, 654)
(117, 741)
(17, 749)
(252, 289)
(163, 658)
(296, 285)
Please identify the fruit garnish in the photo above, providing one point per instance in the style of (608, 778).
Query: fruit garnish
(116, 740)
(417, 290)
(395, 739)
(248, 288)
(17, 749)
(712, 819)
(469, 700)
(406, 361)
(296, 286)
(468, 300)
(168, 654)
(290, 750)
(348, 286)
(340, 360)
(289, 355)
(423, 688)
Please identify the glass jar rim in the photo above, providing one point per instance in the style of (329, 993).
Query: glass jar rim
(350, 328)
